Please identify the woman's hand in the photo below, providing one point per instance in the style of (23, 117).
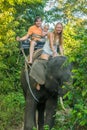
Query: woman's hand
(55, 54)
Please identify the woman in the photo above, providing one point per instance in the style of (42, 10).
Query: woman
(51, 47)
(53, 43)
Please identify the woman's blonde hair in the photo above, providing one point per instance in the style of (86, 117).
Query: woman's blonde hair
(60, 35)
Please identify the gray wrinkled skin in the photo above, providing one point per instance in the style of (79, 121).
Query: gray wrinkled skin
(57, 72)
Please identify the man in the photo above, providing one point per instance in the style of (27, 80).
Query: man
(35, 32)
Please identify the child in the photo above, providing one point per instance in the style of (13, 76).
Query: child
(45, 30)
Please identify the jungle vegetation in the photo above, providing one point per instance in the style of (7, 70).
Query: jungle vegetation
(16, 16)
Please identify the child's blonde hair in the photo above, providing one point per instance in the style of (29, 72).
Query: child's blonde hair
(46, 26)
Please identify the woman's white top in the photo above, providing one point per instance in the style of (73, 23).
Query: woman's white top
(47, 49)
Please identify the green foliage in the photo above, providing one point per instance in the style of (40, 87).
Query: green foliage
(15, 19)
(11, 110)
(34, 128)
(66, 11)
(46, 127)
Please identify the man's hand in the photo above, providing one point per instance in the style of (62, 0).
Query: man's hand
(18, 38)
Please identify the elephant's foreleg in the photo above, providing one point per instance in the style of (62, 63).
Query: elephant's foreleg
(30, 112)
(51, 105)
(41, 108)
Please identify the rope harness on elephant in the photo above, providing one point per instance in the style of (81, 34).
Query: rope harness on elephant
(27, 79)
(27, 75)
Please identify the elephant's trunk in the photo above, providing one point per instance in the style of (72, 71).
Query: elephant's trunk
(62, 104)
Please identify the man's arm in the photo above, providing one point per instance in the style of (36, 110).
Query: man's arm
(22, 38)
(29, 33)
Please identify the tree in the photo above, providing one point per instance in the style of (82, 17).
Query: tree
(67, 10)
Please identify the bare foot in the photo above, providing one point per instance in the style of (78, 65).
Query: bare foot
(29, 62)
(38, 87)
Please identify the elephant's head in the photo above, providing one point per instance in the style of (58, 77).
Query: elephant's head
(58, 72)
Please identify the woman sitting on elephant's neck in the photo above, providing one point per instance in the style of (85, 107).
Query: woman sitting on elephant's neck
(53, 43)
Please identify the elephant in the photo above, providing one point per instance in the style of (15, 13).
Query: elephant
(41, 106)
